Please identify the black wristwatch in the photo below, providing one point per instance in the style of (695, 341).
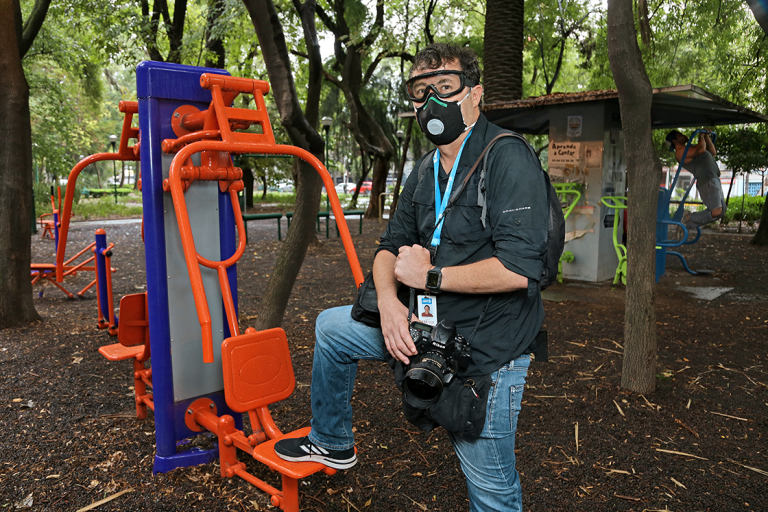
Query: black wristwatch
(434, 279)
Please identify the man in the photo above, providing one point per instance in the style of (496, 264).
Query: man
(476, 257)
(700, 162)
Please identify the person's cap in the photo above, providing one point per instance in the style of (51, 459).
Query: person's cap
(670, 140)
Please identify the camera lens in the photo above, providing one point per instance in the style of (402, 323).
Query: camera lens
(423, 383)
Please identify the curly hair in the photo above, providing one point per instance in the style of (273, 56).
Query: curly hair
(437, 54)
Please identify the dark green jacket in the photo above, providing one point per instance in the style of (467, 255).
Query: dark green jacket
(515, 232)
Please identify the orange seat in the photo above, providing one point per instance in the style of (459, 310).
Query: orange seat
(133, 343)
(257, 369)
(42, 266)
(119, 352)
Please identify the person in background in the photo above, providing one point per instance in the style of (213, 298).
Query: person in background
(700, 161)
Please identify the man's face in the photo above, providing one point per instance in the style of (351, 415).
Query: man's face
(680, 140)
(445, 83)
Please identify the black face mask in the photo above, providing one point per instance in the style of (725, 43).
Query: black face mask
(441, 121)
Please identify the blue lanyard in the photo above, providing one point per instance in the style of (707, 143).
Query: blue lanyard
(441, 204)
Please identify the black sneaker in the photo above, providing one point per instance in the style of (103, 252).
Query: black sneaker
(301, 449)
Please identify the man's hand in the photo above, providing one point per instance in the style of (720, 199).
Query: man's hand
(412, 265)
(394, 327)
(394, 316)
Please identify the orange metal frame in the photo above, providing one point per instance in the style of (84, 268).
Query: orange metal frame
(133, 343)
(124, 153)
(216, 165)
(256, 365)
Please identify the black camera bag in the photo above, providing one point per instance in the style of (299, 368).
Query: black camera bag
(457, 410)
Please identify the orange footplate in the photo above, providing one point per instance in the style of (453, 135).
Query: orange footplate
(265, 453)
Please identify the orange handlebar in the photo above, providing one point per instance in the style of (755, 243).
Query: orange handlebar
(124, 153)
(233, 83)
(179, 173)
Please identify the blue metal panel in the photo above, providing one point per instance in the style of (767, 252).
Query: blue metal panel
(161, 80)
(161, 88)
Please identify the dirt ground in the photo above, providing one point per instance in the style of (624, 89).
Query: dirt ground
(699, 443)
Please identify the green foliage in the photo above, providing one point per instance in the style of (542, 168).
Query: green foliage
(744, 148)
(753, 208)
(43, 196)
(105, 208)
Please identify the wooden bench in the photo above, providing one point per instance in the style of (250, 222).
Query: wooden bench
(260, 216)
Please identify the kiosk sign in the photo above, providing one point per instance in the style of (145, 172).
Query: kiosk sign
(562, 154)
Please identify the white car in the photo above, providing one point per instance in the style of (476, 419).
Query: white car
(285, 186)
(345, 188)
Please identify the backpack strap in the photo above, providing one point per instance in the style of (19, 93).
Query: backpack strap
(425, 164)
(481, 188)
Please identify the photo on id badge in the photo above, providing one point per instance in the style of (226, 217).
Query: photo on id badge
(427, 309)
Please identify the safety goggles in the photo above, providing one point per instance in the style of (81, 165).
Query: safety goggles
(443, 83)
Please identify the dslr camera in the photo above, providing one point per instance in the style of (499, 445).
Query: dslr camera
(441, 353)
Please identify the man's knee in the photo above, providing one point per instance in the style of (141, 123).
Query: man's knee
(717, 212)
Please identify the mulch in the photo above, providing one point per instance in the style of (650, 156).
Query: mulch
(698, 443)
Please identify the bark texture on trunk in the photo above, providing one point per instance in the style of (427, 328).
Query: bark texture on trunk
(503, 50)
(16, 306)
(300, 127)
(248, 181)
(214, 43)
(401, 169)
(761, 237)
(643, 174)
(366, 131)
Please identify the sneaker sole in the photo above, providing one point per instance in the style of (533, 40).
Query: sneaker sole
(331, 463)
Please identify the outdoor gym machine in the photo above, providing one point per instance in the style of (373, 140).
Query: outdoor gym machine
(618, 203)
(569, 195)
(664, 219)
(204, 377)
(100, 261)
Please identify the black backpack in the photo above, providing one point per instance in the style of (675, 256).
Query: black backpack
(556, 230)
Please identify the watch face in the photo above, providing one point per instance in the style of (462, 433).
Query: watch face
(433, 279)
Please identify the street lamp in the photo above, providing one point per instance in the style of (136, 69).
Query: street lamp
(113, 141)
(326, 121)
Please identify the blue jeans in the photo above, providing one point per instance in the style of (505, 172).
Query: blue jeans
(488, 462)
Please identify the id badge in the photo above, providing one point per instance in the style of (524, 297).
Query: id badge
(427, 309)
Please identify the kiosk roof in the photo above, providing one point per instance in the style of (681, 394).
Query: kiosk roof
(673, 107)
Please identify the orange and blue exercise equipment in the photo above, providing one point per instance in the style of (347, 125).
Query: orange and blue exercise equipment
(207, 374)
(98, 253)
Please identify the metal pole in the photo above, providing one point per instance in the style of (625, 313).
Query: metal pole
(114, 172)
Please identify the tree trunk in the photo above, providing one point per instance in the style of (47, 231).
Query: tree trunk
(403, 159)
(264, 187)
(728, 196)
(643, 175)
(761, 237)
(366, 131)
(300, 128)
(122, 174)
(214, 43)
(248, 179)
(503, 50)
(16, 306)
(364, 169)
(136, 175)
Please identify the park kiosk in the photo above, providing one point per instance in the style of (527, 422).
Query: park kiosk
(586, 147)
(205, 373)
